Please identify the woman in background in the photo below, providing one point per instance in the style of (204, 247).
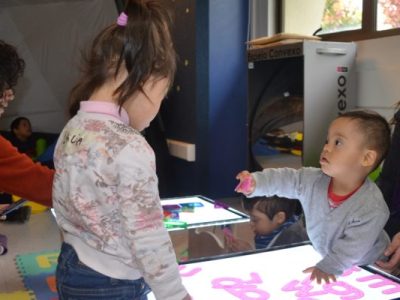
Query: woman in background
(19, 175)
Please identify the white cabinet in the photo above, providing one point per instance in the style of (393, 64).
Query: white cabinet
(296, 87)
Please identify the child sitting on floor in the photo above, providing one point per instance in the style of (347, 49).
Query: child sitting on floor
(274, 223)
(21, 136)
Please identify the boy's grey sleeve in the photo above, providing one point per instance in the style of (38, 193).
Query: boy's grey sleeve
(363, 242)
(284, 182)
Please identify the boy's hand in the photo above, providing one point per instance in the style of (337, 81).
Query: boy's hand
(237, 245)
(392, 251)
(320, 275)
(247, 183)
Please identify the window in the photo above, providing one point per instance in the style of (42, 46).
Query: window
(388, 14)
(341, 15)
(346, 20)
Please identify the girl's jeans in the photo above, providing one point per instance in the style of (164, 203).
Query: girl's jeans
(76, 281)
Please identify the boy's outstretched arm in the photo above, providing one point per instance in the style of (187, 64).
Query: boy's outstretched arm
(320, 275)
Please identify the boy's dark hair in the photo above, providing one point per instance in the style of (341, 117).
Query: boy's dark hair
(143, 46)
(376, 129)
(15, 123)
(270, 206)
(11, 66)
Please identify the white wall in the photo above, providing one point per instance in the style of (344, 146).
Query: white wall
(378, 74)
(302, 17)
(49, 35)
(377, 60)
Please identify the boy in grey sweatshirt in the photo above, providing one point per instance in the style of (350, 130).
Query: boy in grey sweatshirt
(345, 212)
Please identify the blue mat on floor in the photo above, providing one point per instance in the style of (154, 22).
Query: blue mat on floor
(38, 273)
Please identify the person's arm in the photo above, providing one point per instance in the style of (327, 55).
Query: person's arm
(284, 182)
(20, 176)
(142, 220)
(392, 251)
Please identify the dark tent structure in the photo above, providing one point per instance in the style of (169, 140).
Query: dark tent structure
(49, 35)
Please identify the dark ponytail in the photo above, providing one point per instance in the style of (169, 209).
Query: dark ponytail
(143, 46)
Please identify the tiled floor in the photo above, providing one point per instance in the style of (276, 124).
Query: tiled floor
(38, 234)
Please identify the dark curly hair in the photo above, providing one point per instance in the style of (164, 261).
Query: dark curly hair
(11, 66)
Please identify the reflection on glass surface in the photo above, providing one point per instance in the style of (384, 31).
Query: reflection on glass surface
(341, 15)
(199, 211)
(388, 14)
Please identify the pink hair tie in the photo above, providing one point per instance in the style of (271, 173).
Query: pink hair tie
(122, 19)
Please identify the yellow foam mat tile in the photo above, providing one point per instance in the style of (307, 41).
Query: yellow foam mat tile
(19, 295)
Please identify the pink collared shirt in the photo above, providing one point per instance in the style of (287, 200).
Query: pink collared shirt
(107, 108)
